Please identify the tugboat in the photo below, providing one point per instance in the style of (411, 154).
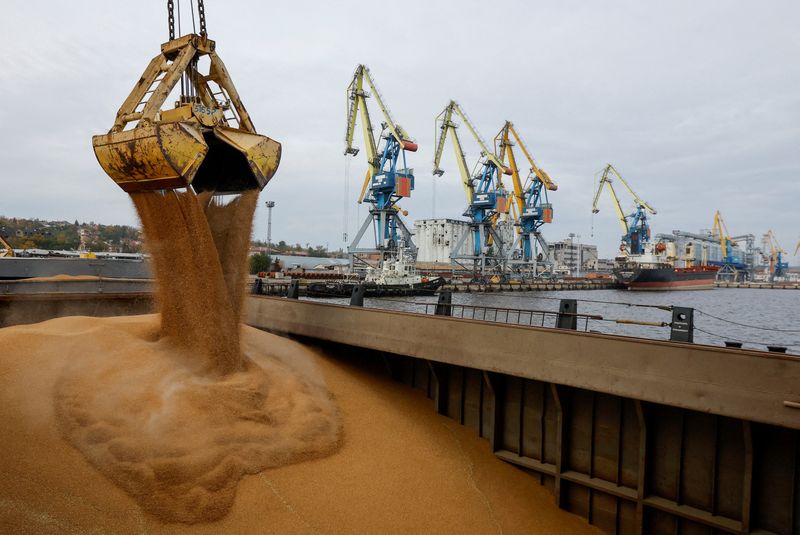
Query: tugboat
(396, 277)
(654, 270)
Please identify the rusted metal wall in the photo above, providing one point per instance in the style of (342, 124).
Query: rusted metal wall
(32, 301)
(636, 436)
(624, 465)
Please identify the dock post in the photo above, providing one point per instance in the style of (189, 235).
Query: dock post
(682, 326)
(443, 307)
(566, 318)
(258, 287)
(294, 289)
(357, 297)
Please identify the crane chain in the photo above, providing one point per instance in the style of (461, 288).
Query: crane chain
(201, 13)
(171, 18)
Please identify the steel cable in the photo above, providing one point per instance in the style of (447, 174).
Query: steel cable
(734, 339)
(746, 325)
(667, 308)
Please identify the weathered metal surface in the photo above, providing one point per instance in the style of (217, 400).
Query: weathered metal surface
(625, 464)
(26, 267)
(208, 141)
(160, 156)
(729, 382)
(83, 287)
(34, 301)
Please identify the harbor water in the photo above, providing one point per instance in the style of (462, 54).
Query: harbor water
(755, 317)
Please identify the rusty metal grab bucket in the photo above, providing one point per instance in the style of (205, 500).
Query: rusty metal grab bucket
(182, 154)
(193, 144)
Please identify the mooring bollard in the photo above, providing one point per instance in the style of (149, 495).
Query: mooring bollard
(357, 297)
(776, 349)
(682, 326)
(737, 345)
(258, 287)
(443, 307)
(566, 318)
(294, 289)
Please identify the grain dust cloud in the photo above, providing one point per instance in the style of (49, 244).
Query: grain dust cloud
(176, 415)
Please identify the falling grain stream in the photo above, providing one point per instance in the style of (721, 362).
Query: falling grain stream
(181, 415)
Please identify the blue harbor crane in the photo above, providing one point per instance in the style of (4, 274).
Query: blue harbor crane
(486, 196)
(388, 178)
(530, 209)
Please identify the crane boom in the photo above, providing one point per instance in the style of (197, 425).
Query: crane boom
(448, 128)
(605, 180)
(490, 155)
(535, 170)
(357, 96)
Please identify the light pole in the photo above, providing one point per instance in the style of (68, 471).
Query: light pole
(270, 206)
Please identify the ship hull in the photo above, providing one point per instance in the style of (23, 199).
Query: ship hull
(666, 278)
(345, 289)
(29, 267)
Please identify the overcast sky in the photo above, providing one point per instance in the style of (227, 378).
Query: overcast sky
(696, 103)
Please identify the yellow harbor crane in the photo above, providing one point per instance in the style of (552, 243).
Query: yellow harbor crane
(635, 227)
(386, 182)
(486, 197)
(530, 208)
(720, 231)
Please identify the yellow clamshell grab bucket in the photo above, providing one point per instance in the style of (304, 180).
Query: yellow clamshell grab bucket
(195, 144)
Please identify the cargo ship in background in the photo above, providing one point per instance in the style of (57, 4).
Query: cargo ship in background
(655, 269)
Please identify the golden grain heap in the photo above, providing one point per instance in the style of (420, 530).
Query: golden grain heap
(177, 416)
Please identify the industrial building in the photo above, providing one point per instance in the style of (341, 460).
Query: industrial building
(571, 255)
(437, 239)
(705, 248)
